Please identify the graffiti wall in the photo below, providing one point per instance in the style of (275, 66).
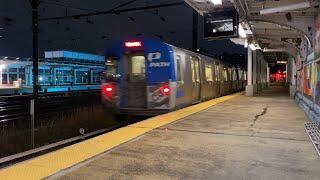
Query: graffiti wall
(317, 61)
(317, 82)
(317, 38)
(299, 81)
(307, 83)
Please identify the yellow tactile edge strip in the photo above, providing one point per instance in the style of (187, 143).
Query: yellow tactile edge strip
(48, 164)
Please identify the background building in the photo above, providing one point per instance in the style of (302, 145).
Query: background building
(59, 71)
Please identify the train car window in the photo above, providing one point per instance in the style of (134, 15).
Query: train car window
(197, 70)
(225, 74)
(217, 72)
(138, 67)
(112, 71)
(209, 75)
(240, 74)
(179, 72)
(234, 75)
(193, 70)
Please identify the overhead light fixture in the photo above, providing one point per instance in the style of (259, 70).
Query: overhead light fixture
(286, 8)
(242, 32)
(252, 47)
(281, 62)
(216, 2)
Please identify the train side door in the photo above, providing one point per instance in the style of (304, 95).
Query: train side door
(134, 86)
(196, 83)
(180, 70)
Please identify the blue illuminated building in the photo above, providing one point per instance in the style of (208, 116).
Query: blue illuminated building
(59, 71)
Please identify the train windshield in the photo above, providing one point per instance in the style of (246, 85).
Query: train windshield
(112, 69)
(138, 68)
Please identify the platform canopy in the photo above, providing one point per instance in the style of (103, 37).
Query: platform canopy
(276, 26)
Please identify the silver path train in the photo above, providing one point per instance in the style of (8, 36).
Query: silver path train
(149, 77)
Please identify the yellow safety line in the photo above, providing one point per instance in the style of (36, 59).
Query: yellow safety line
(48, 164)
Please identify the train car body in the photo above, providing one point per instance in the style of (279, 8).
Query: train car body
(148, 77)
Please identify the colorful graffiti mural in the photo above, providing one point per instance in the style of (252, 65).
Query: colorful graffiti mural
(299, 81)
(307, 83)
(317, 82)
(317, 38)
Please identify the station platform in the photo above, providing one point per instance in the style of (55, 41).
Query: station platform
(232, 137)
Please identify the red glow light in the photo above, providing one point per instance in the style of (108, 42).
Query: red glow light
(108, 90)
(133, 44)
(165, 90)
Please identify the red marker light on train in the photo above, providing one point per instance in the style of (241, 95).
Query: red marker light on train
(165, 90)
(132, 44)
(109, 89)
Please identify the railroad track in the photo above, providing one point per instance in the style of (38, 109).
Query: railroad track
(16, 109)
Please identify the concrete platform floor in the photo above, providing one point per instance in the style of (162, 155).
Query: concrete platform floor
(245, 138)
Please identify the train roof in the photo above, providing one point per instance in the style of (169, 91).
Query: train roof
(120, 43)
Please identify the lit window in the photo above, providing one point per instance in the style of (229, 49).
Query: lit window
(192, 71)
(138, 68)
(138, 65)
(208, 71)
(179, 72)
(195, 69)
(217, 72)
(225, 74)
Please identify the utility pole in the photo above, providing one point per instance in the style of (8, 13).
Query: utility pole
(35, 57)
(195, 31)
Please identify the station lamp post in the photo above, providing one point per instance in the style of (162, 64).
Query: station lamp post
(35, 57)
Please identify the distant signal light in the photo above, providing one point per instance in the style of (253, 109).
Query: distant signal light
(133, 44)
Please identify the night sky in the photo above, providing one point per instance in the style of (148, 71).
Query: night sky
(95, 34)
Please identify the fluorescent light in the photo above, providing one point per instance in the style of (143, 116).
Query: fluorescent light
(242, 32)
(281, 62)
(216, 2)
(286, 8)
(252, 47)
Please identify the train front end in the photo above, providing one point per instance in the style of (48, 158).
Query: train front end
(139, 78)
